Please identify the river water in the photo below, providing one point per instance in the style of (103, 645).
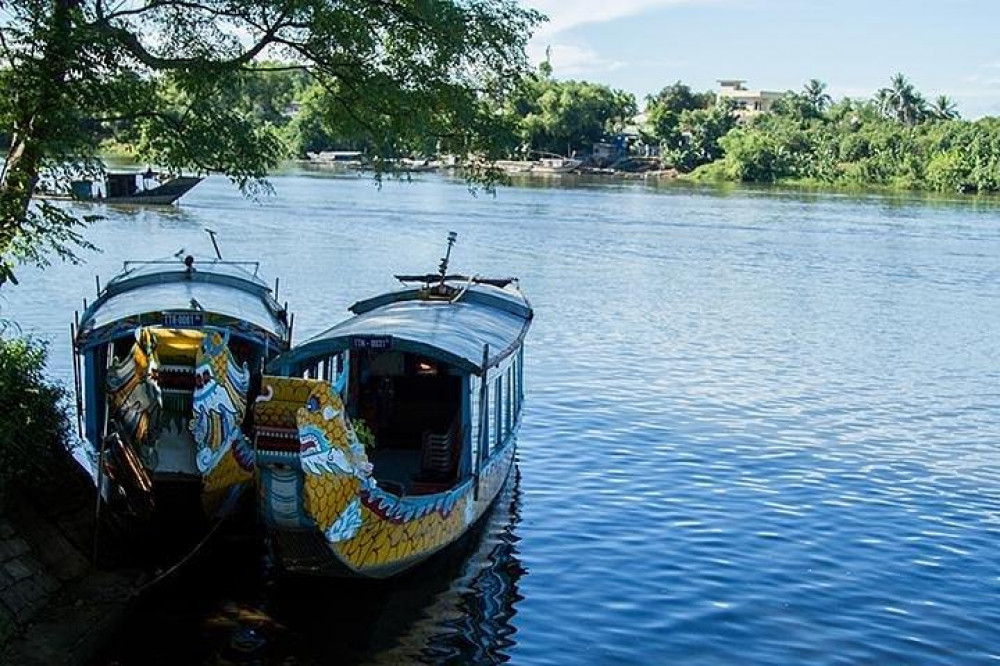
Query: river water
(761, 427)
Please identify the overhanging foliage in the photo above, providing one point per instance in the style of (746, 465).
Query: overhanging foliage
(397, 72)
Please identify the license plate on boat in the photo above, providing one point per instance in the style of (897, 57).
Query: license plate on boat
(376, 343)
(183, 319)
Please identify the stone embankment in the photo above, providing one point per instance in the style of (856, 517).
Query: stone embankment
(55, 607)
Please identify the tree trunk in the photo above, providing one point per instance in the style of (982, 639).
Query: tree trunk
(20, 176)
(41, 82)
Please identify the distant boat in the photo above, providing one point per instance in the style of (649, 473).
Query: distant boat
(384, 439)
(554, 165)
(417, 165)
(514, 166)
(542, 166)
(403, 165)
(341, 158)
(127, 188)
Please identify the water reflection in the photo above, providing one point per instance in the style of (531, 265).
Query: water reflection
(456, 609)
(483, 628)
(777, 410)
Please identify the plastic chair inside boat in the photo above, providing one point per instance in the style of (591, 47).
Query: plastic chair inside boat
(438, 461)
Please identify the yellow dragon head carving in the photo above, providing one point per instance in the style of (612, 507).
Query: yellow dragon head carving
(334, 464)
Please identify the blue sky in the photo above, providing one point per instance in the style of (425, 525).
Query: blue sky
(948, 47)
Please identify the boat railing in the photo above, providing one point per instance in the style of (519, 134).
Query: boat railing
(131, 264)
(474, 279)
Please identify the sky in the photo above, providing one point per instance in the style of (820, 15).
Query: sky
(946, 47)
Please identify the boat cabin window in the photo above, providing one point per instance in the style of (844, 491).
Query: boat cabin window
(497, 412)
(410, 408)
(509, 400)
(327, 369)
(499, 415)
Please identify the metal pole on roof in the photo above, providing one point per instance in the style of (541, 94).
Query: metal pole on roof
(443, 268)
(215, 244)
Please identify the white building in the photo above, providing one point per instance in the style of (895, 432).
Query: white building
(748, 102)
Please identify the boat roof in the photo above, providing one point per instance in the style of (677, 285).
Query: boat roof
(209, 290)
(453, 330)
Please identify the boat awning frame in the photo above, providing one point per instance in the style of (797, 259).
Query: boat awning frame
(454, 333)
(213, 295)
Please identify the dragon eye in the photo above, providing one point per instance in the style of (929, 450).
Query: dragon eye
(312, 404)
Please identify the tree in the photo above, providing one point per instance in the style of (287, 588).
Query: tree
(665, 108)
(567, 116)
(815, 93)
(901, 101)
(268, 90)
(307, 132)
(396, 71)
(700, 133)
(545, 67)
(804, 106)
(943, 108)
(796, 106)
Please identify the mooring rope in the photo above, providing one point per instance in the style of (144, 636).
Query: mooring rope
(180, 563)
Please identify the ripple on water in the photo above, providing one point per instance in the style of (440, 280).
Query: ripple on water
(761, 427)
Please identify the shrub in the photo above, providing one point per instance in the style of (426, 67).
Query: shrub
(755, 156)
(33, 423)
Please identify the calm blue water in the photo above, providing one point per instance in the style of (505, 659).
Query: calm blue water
(761, 427)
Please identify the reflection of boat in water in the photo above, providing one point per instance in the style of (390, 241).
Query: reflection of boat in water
(470, 620)
(128, 188)
(458, 608)
(383, 439)
(166, 361)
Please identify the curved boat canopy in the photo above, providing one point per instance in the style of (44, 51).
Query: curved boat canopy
(452, 330)
(185, 295)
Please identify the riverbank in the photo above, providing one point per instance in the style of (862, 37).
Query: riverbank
(713, 174)
(55, 606)
(710, 176)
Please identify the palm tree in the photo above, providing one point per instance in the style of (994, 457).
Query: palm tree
(902, 101)
(815, 93)
(943, 108)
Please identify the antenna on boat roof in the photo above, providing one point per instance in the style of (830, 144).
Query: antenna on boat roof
(443, 268)
(215, 243)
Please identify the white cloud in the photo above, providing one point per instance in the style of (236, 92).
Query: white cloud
(576, 59)
(569, 60)
(983, 84)
(566, 14)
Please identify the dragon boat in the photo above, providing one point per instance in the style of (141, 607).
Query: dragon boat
(166, 361)
(385, 438)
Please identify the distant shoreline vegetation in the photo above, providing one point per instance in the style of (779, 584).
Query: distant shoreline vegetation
(894, 140)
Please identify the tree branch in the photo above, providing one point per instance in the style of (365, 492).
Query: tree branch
(134, 45)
